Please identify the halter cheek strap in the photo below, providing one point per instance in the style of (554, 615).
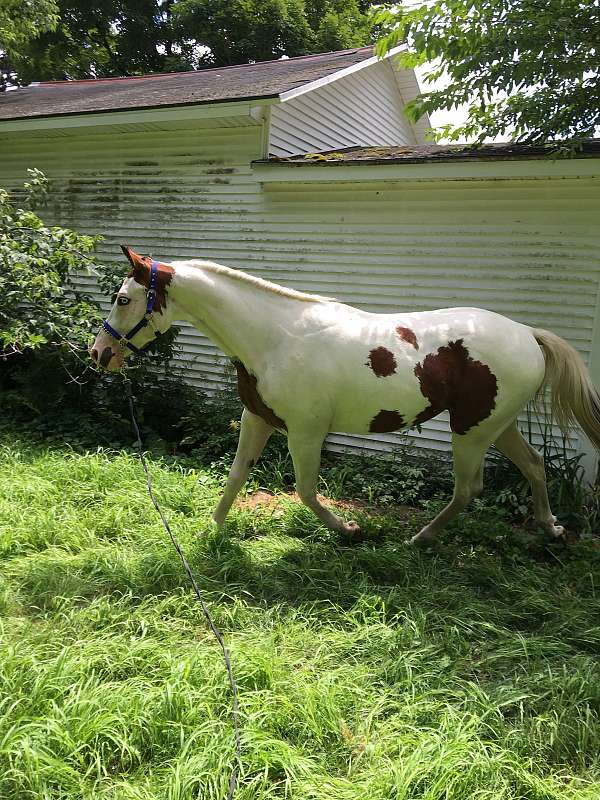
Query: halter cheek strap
(125, 338)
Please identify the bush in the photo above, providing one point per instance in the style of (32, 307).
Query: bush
(46, 323)
(575, 503)
(406, 476)
(39, 303)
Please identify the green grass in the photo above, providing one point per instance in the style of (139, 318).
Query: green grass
(366, 672)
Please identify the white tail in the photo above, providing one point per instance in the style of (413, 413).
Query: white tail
(573, 396)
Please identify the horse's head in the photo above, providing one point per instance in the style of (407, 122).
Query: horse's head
(138, 314)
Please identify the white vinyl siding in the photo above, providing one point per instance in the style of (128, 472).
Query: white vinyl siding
(409, 88)
(364, 108)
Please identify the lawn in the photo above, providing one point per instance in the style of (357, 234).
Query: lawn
(366, 671)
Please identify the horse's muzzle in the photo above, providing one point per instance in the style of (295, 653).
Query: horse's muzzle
(105, 357)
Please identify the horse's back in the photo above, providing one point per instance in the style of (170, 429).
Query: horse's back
(414, 335)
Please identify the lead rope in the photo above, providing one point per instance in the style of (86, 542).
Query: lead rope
(235, 713)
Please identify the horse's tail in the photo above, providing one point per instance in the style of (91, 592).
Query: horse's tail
(572, 392)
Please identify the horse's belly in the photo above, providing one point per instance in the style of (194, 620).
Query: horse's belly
(378, 408)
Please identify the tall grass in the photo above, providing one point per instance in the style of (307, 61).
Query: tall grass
(366, 672)
(574, 501)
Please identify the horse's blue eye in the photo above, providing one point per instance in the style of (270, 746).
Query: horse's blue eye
(122, 301)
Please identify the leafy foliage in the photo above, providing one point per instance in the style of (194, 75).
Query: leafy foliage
(140, 36)
(524, 69)
(260, 30)
(575, 502)
(47, 324)
(39, 304)
(101, 39)
(21, 21)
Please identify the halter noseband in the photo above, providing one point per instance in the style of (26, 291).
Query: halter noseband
(124, 339)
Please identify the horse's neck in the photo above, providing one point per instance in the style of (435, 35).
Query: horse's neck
(241, 318)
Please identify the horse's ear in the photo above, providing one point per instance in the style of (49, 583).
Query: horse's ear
(136, 261)
(127, 251)
(131, 256)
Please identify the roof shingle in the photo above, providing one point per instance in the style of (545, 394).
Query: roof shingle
(411, 154)
(245, 81)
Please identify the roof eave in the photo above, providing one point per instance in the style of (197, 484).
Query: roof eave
(175, 112)
(412, 169)
(429, 159)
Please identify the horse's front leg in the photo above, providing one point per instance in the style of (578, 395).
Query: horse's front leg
(305, 450)
(254, 433)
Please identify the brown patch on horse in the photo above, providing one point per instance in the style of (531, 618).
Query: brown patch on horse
(386, 421)
(250, 397)
(140, 272)
(451, 380)
(407, 335)
(382, 362)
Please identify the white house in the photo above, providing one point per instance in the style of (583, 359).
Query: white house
(306, 171)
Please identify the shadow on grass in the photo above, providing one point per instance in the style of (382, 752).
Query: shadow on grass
(299, 563)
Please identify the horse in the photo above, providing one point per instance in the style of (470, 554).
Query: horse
(308, 365)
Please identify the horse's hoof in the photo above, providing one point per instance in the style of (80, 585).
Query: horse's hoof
(556, 531)
(352, 529)
(422, 539)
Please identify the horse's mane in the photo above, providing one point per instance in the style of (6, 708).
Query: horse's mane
(244, 277)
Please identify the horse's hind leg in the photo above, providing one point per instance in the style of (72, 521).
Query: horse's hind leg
(254, 433)
(469, 451)
(531, 463)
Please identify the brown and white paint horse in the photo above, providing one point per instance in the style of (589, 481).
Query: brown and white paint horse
(308, 365)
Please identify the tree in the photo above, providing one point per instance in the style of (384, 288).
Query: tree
(341, 24)
(235, 31)
(132, 37)
(526, 69)
(21, 21)
(102, 39)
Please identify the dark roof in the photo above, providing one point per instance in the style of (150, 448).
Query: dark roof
(218, 84)
(413, 154)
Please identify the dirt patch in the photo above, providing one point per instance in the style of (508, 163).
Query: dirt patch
(264, 501)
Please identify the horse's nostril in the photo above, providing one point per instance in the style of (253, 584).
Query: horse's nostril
(106, 356)
(94, 354)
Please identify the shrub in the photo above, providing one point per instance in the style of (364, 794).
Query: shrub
(575, 503)
(46, 323)
(39, 302)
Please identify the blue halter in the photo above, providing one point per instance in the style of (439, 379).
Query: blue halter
(124, 339)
